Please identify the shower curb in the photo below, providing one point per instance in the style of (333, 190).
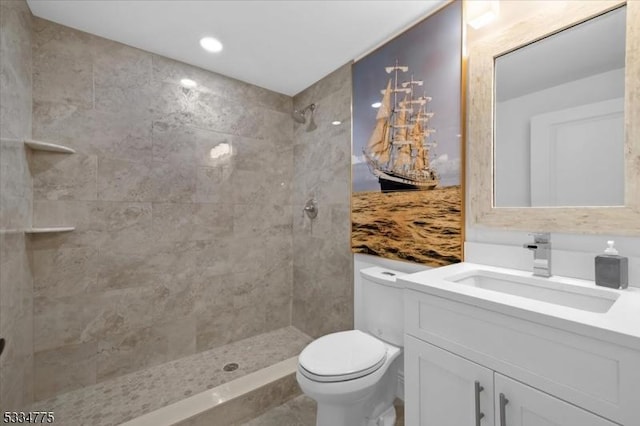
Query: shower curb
(232, 403)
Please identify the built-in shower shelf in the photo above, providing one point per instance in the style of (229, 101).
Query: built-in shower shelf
(47, 146)
(49, 230)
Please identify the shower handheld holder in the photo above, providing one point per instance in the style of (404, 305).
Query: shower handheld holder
(310, 208)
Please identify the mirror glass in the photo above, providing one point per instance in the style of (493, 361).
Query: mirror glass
(559, 118)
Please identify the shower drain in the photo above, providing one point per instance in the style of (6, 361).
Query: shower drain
(230, 367)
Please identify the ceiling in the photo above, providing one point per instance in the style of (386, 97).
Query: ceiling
(284, 46)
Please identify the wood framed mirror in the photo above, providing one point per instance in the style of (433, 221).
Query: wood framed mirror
(539, 23)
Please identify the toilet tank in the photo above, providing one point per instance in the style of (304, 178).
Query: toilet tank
(383, 304)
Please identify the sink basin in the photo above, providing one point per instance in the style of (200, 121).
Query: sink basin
(542, 289)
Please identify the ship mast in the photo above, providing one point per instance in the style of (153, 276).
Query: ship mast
(394, 113)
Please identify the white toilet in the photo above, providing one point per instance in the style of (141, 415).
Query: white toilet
(352, 375)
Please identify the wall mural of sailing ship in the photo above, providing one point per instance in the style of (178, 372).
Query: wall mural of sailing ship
(407, 194)
(398, 150)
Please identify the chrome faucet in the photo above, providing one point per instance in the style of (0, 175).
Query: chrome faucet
(541, 248)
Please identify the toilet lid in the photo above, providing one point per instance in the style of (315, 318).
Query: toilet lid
(342, 356)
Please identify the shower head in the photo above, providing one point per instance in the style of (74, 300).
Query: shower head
(301, 116)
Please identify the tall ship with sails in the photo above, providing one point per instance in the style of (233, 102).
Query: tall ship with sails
(398, 150)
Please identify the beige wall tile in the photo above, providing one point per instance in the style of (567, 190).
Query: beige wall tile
(322, 265)
(124, 353)
(183, 222)
(181, 337)
(213, 185)
(64, 271)
(64, 177)
(173, 183)
(63, 76)
(175, 249)
(123, 133)
(122, 180)
(16, 281)
(63, 369)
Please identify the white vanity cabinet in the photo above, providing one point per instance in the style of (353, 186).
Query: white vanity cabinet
(460, 358)
(521, 405)
(443, 389)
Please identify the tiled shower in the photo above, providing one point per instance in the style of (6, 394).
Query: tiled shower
(185, 202)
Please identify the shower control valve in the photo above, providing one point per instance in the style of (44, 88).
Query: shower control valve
(311, 208)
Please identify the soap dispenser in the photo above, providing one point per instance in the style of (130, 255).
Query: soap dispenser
(612, 270)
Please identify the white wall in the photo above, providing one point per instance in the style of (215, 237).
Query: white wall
(513, 116)
(572, 255)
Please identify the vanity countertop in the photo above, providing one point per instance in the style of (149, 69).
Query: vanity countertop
(619, 325)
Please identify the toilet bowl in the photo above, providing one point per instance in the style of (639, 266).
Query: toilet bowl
(353, 375)
(353, 378)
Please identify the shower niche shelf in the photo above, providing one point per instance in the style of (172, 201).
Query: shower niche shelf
(48, 230)
(48, 146)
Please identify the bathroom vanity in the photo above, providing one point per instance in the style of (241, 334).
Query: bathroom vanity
(494, 346)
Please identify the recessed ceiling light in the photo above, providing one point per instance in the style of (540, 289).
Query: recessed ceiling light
(187, 82)
(336, 123)
(376, 104)
(211, 44)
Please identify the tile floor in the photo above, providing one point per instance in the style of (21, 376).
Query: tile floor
(124, 398)
(301, 411)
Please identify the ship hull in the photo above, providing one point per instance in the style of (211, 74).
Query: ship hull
(390, 183)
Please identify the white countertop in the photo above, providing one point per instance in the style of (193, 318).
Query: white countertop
(619, 325)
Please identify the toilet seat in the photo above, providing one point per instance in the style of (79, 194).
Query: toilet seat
(342, 356)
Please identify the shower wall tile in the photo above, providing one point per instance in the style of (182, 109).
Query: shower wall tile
(323, 266)
(125, 353)
(123, 180)
(64, 75)
(183, 222)
(257, 187)
(128, 352)
(181, 199)
(64, 271)
(64, 177)
(120, 134)
(181, 337)
(171, 71)
(213, 185)
(269, 220)
(173, 182)
(63, 369)
(259, 254)
(15, 185)
(119, 270)
(16, 281)
(176, 144)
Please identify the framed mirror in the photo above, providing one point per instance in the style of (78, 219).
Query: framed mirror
(554, 121)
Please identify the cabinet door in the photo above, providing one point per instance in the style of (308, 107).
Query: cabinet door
(517, 404)
(442, 389)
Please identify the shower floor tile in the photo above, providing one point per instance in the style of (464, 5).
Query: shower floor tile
(121, 399)
(301, 411)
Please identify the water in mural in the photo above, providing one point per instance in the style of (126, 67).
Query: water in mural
(421, 227)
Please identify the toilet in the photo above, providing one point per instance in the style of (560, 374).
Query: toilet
(353, 375)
